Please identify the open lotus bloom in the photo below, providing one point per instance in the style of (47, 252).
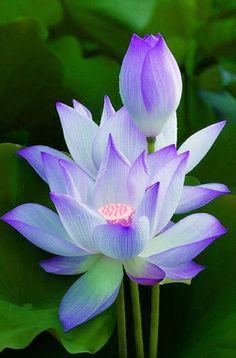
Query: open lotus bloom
(114, 201)
(121, 219)
(150, 83)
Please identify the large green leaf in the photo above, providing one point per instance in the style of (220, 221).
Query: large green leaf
(110, 23)
(29, 297)
(31, 82)
(46, 12)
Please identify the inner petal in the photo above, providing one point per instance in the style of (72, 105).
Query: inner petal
(117, 213)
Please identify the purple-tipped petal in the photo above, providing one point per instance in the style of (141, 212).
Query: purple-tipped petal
(78, 183)
(78, 219)
(148, 207)
(130, 77)
(199, 143)
(34, 158)
(79, 135)
(83, 111)
(91, 294)
(138, 178)
(64, 265)
(191, 230)
(143, 272)
(193, 197)
(161, 87)
(111, 183)
(171, 179)
(108, 111)
(186, 271)
(54, 173)
(129, 140)
(43, 228)
(121, 242)
(158, 159)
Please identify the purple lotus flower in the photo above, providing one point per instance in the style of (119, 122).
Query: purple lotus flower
(120, 219)
(150, 83)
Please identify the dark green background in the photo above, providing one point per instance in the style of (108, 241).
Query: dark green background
(54, 50)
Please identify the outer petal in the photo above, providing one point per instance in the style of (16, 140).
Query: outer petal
(79, 135)
(161, 87)
(54, 173)
(78, 183)
(91, 294)
(43, 228)
(64, 265)
(138, 179)
(111, 182)
(78, 219)
(130, 77)
(199, 143)
(129, 140)
(191, 230)
(143, 272)
(185, 271)
(121, 242)
(83, 111)
(148, 207)
(158, 159)
(171, 178)
(193, 197)
(108, 111)
(34, 158)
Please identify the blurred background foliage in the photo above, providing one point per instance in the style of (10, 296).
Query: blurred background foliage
(63, 49)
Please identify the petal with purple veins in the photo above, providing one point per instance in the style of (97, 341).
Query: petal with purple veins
(91, 294)
(121, 242)
(199, 143)
(64, 265)
(43, 228)
(34, 158)
(128, 138)
(108, 111)
(143, 272)
(111, 183)
(79, 133)
(138, 179)
(192, 230)
(185, 271)
(82, 109)
(78, 219)
(194, 197)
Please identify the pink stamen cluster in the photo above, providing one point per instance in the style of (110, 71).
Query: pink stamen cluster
(117, 213)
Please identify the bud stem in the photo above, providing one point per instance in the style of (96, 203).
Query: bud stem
(155, 297)
(151, 144)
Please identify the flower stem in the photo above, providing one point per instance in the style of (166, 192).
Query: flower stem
(155, 302)
(137, 319)
(151, 144)
(121, 323)
(155, 298)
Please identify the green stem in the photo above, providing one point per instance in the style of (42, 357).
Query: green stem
(151, 144)
(155, 299)
(154, 321)
(137, 319)
(121, 323)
